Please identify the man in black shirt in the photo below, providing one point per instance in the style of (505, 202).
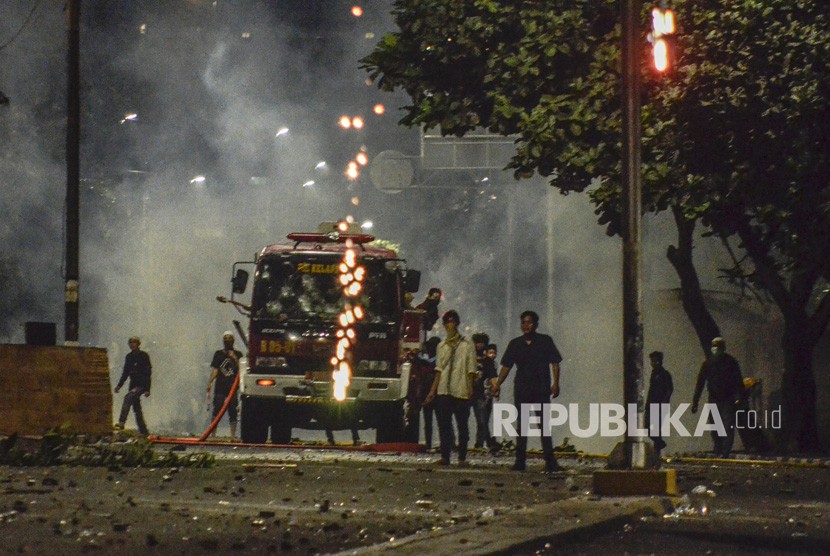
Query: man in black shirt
(138, 368)
(536, 359)
(721, 372)
(224, 369)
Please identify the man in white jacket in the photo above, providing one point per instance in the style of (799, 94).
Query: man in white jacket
(452, 389)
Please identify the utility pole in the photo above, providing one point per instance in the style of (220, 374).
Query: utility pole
(632, 263)
(73, 133)
(630, 465)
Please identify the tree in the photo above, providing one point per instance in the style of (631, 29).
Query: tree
(736, 139)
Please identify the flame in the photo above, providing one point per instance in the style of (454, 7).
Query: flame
(351, 282)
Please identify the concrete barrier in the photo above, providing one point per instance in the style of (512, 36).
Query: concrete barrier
(42, 387)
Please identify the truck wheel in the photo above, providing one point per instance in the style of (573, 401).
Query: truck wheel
(254, 429)
(280, 432)
(390, 425)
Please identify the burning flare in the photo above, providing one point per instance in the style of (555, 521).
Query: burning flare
(351, 278)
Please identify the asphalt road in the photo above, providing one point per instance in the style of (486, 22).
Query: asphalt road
(301, 501)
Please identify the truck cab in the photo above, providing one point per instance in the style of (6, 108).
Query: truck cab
(295, 304)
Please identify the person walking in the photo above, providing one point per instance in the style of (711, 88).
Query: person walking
(659, 392)
(537, 360)
(224, 369)
(721, 374)
(452, 388)
(138, 368)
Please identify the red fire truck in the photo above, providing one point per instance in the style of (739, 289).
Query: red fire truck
(292, 337)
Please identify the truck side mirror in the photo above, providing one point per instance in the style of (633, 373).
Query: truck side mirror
(412, 281)
(240, 281)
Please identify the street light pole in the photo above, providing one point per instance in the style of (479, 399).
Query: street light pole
(634, 448)
(73, 132)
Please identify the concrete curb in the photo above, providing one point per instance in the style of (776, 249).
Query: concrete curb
(749, 459)
(526, 529)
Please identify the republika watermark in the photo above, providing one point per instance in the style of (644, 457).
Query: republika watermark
(611, 419)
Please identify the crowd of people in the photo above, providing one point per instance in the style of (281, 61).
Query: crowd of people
(454, 375)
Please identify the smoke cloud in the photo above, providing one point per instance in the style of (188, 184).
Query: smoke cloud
(204, 126)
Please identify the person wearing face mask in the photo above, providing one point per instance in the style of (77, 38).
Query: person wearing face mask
(721, 374)
(224, 368)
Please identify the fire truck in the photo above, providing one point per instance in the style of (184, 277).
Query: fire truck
(293, 332)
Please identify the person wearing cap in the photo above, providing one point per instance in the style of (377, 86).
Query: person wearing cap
(224, 369)
(138, 368)
(452, 388)
(660, 389)
(721, 374)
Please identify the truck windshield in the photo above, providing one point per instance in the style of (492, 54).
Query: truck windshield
(307, 288)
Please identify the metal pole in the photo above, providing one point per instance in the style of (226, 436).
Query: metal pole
(509, 318)
(551, 205)
(73, 132)
(632, 266)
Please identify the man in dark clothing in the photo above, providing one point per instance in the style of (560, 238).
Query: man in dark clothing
(660, 389)
(722, 374)
(482, 400)
(536, 359)
(430, 305)
(138, 368)
(224, 369)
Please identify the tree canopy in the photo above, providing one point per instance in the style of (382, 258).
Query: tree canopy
(736, 136)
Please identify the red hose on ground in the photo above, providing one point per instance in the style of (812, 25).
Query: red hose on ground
(215, 422)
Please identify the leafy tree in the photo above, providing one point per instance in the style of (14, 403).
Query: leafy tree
(736, 139)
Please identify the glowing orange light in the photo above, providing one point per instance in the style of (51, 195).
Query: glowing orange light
(379, 109)
(341, 374)
(662, 25)
(357, 11)
(345, 122)
(362, 159)
(661, 55)
(355, 201)
(352, 171)
(357, 122)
